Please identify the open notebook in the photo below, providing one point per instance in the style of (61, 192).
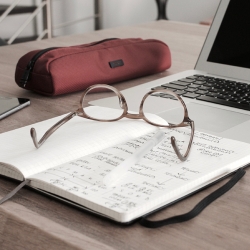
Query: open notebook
(73, 161)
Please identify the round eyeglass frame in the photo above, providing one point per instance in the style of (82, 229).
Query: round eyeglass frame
(123, 104)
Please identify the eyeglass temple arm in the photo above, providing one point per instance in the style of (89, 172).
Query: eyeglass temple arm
(175, 147)
(49, 131)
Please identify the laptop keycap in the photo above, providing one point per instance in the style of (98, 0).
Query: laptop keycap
(180, 83)
(187, 80)
(174, 86)
(191, 95)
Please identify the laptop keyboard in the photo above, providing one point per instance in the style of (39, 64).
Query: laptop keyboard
(211, 89)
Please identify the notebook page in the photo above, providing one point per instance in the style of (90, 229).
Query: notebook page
(76, 138)
(158, 179)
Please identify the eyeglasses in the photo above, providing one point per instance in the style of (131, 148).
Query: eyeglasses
(176, 118)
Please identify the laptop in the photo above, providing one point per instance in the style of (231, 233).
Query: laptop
(216, 91)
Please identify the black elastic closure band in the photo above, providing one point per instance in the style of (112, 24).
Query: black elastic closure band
(199, 207)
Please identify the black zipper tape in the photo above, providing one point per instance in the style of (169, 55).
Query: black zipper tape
(25, 77)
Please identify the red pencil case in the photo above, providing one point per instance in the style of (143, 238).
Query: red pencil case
(59, 70)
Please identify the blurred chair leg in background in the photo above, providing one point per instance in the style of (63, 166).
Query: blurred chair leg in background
(162, 12)
(2, 42)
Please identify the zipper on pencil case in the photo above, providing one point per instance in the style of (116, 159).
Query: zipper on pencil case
(96, 43)
(25, 77)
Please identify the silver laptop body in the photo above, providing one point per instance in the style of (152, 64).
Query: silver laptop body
(225, 55)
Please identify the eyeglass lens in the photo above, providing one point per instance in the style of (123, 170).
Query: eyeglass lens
(108, 114)
(171, 111)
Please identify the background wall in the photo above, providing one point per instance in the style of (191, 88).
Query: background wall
(66, 11)
(192, 11)
(124, 12)
(114, 13)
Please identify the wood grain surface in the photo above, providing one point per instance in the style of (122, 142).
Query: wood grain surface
(34, 221)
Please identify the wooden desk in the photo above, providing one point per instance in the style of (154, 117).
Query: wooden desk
(32, 221)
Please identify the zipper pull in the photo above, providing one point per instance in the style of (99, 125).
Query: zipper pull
(25, 77)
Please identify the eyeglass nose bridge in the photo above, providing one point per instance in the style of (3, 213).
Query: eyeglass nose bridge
(134, 116)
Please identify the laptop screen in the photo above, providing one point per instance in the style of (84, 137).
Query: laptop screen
(226, 50)
(232, 43)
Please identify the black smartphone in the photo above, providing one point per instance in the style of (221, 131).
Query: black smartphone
(9, 105)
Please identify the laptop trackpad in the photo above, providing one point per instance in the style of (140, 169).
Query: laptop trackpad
(210, 118)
